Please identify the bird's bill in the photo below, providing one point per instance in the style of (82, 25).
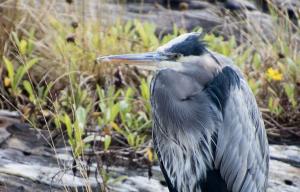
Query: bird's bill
(143, 60)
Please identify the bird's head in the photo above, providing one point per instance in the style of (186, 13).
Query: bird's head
(183, 48)
(187, 53)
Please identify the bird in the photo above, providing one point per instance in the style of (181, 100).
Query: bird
(208, 131)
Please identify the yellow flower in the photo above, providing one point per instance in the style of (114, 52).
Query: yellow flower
(7, 82)
(149, 154)
(274, 74)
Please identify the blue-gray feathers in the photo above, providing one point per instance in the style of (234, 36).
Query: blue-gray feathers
(220, 86)
(208, 133)
(192, 45)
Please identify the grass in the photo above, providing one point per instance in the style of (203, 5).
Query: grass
(49, 74)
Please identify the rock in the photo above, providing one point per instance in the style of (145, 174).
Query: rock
(256, 23)
(4, 134)
(27, 163)
(287, 154)
(283, 177)
(209, 16)
(7, 120)
(11, 183)
(200, 5)
(189, 20)
(286, 4)
(234, 5)
(139, 183)
(205, 15)
(290, 7)
(12, 114)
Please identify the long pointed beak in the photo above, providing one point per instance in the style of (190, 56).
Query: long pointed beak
(143, 60)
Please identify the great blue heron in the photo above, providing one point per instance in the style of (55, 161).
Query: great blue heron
(208, 132)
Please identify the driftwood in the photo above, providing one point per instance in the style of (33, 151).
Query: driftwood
(28, 163)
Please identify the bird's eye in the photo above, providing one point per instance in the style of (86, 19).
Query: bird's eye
(175, 56)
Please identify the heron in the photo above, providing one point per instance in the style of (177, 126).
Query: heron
(208, 132)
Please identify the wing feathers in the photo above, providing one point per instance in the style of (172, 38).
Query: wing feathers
(242, 148)
(238, 150)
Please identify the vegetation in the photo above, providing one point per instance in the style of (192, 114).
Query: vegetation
(49, 74)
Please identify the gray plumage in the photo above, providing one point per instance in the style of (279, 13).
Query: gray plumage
(207, 129)
(208, 124)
